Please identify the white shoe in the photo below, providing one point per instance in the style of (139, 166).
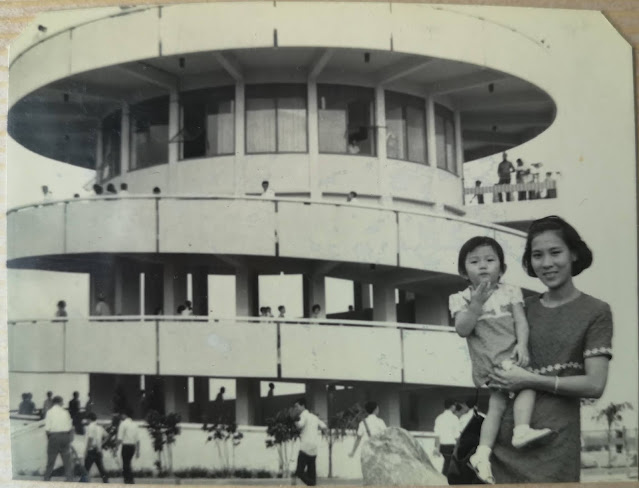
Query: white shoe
(481, 466)
(522, 439)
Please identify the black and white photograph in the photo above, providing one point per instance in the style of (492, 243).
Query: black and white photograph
(321, 243)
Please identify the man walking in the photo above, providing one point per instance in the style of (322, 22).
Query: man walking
(447, 431)
(128, 436)
(371, 426)
(93, 453)
(59, 429)
(309, 425)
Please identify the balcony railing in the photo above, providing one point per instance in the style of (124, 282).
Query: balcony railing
(242, 347)
(512, 192)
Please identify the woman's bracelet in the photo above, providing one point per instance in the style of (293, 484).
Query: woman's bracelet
(556, 385)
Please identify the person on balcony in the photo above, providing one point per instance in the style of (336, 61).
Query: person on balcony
(480, 196)
(522, 176)
(504, 170)
(27, 407)
(371, 426)
(551, 188)
(98, 190)
(316, 312)
(271, 390)
(352, 197)
(46, 193)
(57, 425)
(62, 309)
(102, 308)
(124, 189)
(110, 189)
(282, 311)
(309, 425)
(76, 416)
(267, 192)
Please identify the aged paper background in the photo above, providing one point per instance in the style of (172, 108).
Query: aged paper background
(17, 14)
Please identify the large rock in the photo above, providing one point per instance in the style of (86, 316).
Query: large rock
(395, 458)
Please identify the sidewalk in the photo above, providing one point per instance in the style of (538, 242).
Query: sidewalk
(213, 481)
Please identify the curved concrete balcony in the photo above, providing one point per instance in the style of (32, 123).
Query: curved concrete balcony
(296, 349)
(251, 226)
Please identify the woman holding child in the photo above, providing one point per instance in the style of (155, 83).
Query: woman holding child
(567, 334)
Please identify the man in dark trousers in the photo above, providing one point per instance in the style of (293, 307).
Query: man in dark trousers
(128, 437)
(503, 171)
(447, 431)
(59, 429)
(309, 425)
(74, 411)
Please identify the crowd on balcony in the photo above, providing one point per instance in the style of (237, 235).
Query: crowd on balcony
(528, 184)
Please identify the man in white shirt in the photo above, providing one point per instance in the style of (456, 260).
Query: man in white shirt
(371, 426)
(59, 429)
(93, 453)
(128, 436)
(447, 431)
(309, 425)
(266, 191)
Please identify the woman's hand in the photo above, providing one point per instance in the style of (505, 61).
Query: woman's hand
(513, 379)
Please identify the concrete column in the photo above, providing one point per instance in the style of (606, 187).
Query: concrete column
(362, 294)
(384, 308)
(314, 293)
(389, 405)
(176, 396)
(246, 293)
(200, 291)
(174, 288)
(317, 398)
(174, 147)
(247, 401)
(431, 309)
(240, 116)
(127, 288)
(200, 399)
(125, 139)
(99, 157)
(380, 122)
(313, 140)
(432, 149)
(153, 289)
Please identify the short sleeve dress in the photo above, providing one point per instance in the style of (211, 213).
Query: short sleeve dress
(561, 338)
(493, 338)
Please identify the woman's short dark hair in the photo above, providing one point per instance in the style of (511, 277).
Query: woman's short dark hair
(567, 233)
(473, 243)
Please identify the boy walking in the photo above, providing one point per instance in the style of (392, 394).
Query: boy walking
(309, 425)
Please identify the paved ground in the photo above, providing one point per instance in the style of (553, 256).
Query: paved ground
(587, 475)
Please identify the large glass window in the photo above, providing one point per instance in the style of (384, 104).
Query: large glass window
(276, 118)
(405, 127)
(346, 119)
(150, 133)
(111, 140)
(208, 122)
(445, 139)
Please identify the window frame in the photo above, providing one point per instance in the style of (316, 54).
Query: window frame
(132, 129)
(447, 115)
(279, 88)
(403, 101)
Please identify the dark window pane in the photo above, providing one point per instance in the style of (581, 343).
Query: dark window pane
(150, 133)
(346, 119)
(208, 122)
(111, 143)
